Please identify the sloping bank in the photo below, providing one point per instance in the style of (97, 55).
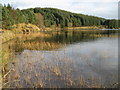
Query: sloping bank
(6, 35)
(18, 28)
(25, 28)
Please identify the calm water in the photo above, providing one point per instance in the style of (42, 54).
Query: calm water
(64, 59)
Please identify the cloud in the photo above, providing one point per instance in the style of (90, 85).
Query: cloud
(102, 8)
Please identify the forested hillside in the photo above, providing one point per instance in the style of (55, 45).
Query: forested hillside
(51, 17)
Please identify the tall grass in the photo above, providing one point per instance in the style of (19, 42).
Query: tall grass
(39, 72)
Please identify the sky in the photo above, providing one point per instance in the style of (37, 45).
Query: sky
(102, 8)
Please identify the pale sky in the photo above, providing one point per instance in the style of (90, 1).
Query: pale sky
(102, 8)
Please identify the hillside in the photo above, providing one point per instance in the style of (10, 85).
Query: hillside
(51, 17)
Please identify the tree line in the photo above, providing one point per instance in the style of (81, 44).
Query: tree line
(52, 18)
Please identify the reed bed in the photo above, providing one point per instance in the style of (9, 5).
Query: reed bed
(38, 71)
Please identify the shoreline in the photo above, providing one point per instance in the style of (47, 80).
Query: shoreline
(8, 35)
(79, 28)
(31, 28)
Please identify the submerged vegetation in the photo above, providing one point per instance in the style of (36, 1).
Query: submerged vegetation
(24, 69)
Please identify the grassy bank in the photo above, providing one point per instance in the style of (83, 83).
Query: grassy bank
(7, 35)
(25, 28)
(30, 28)
(75, 28)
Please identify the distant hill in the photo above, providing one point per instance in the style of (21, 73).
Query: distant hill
(51, 17)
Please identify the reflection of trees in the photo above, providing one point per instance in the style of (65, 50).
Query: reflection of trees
(77, 36)
(55, 40)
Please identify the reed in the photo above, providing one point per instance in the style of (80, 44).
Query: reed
(38, 71)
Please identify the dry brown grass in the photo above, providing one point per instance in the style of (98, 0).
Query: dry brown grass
(39, 73)
(6, 36)
(56, 71)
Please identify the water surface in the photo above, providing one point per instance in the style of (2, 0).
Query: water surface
(65, 59)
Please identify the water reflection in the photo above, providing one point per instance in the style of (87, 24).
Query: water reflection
(56, 40)
(65, 59)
